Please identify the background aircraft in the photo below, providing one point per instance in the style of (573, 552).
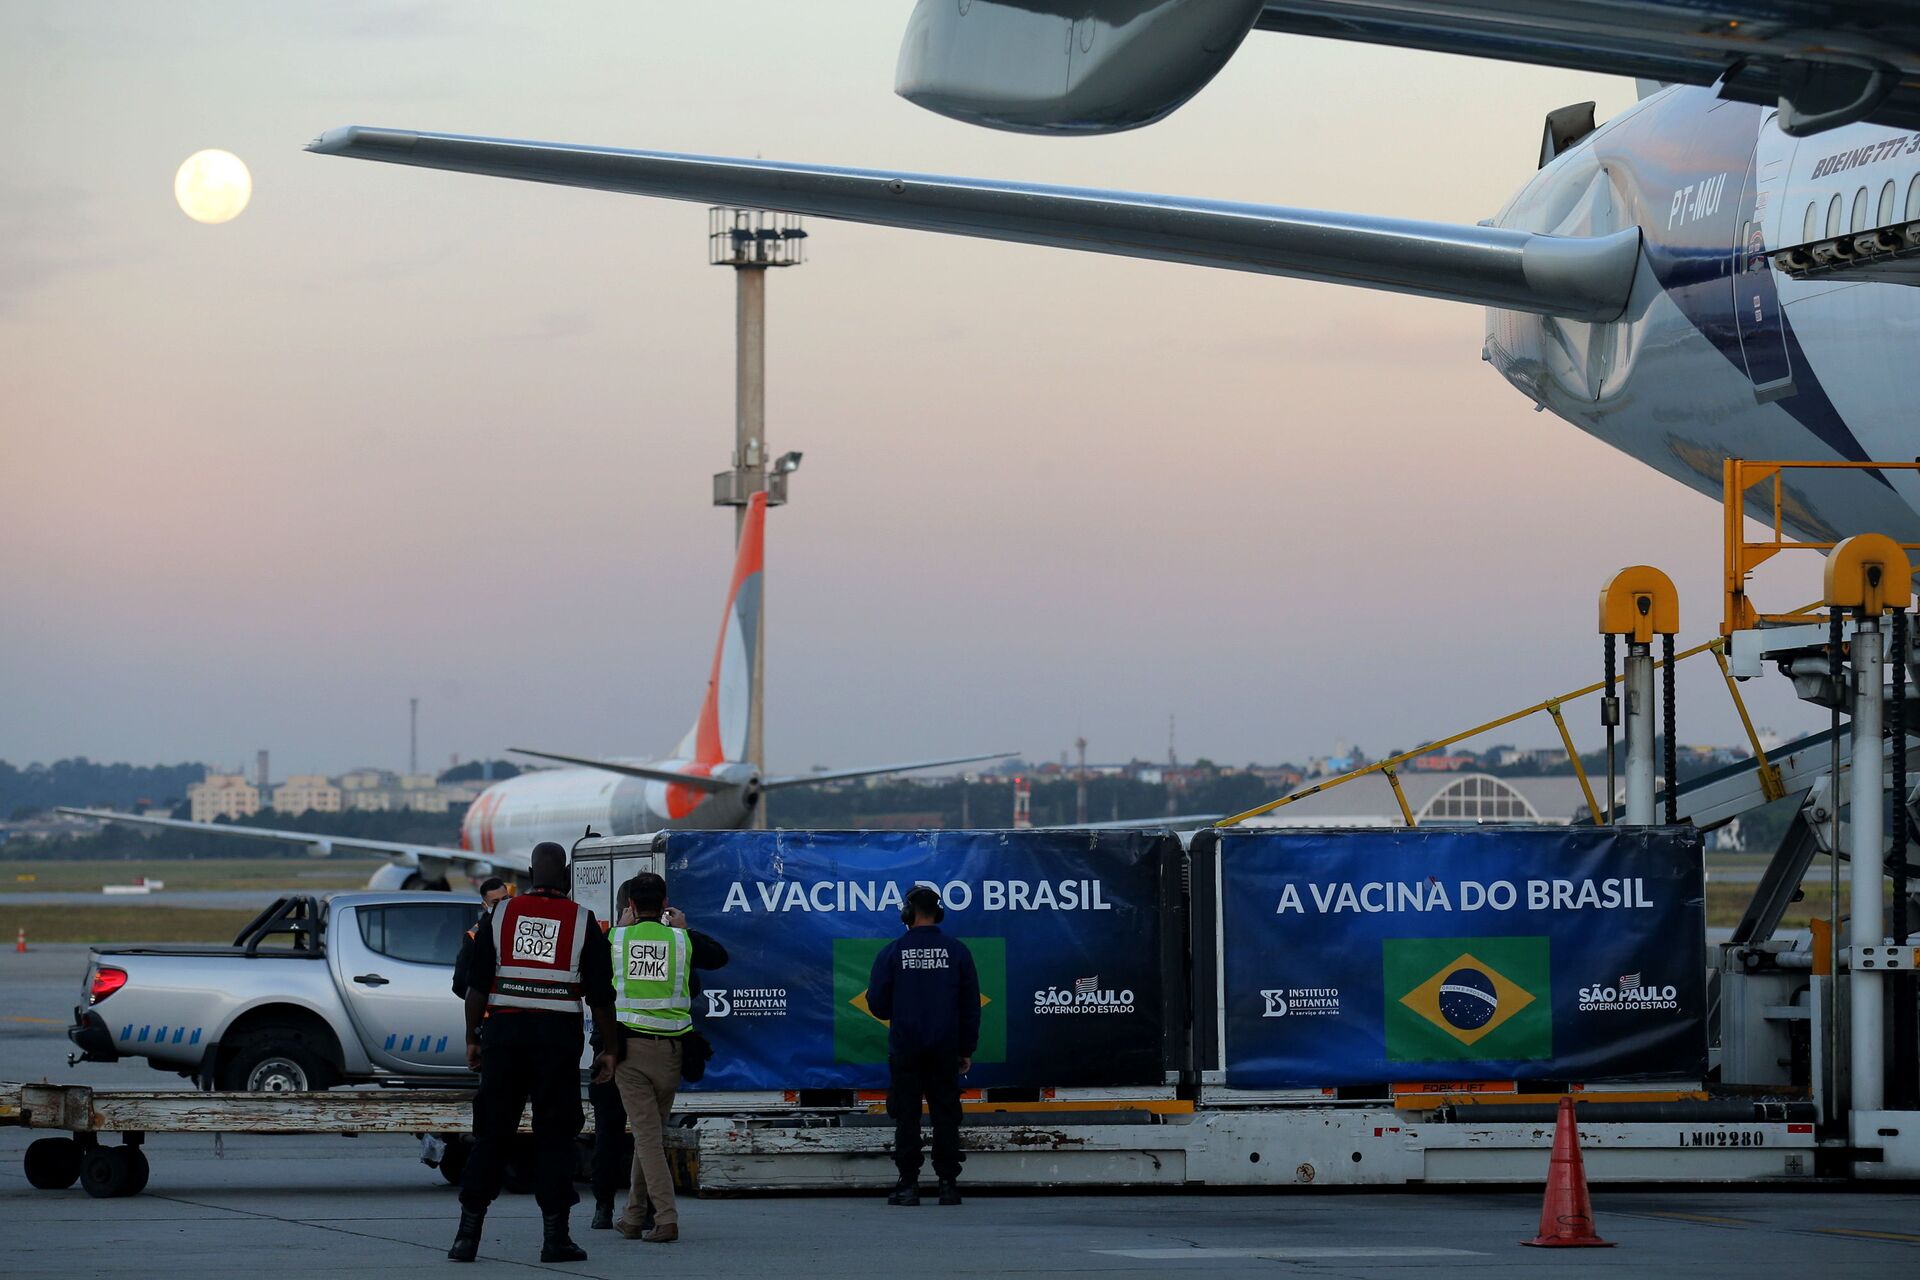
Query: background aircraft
(705, 783)
(1701, 277)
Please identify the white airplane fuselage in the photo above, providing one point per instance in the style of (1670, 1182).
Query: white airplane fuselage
(561, 805)
(1719, 354)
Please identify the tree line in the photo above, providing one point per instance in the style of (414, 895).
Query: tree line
(28, 789)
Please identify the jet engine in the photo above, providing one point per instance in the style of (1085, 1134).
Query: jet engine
(1066, 66)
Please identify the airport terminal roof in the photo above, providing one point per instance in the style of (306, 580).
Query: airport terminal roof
(1437, 798)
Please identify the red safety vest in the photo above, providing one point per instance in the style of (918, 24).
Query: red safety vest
(537, 941)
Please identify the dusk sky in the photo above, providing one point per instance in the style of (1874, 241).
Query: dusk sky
(394, 433)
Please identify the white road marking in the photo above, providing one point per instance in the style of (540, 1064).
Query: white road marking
(1284, 1253)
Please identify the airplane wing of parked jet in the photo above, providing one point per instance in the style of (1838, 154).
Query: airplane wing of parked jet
(698, 781)
(701, 782)
(841, 775)
(1178, 822)
(1578, 277)
(324, 843)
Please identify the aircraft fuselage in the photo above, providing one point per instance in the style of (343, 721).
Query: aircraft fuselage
(512, 816)
(1718, 354)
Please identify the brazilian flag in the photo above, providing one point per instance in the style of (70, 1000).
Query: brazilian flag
(859, 1037)
(1468, 999)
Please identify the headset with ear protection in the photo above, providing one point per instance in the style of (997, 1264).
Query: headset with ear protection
(921, 899)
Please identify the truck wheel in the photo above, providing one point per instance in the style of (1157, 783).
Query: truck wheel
(53, 1164)
(583, 1159)
(137, 1160)
(275, 1061)
(516, 1173)
(453, 1162)
(106, 1172)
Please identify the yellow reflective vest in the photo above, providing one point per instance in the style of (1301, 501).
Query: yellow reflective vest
(651, 972)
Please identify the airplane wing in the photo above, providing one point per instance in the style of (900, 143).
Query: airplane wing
(315, 840)
(1178, 822)
(1833, 63)
(1586, 278)
(698, 781)
(839, 775)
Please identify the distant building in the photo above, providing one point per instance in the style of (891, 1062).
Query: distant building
(308, 793)
(430, 800)
(223, 795)
(1712, 757)
(461, 793)
(1437, 763)
(1343, 760)
(384, 791)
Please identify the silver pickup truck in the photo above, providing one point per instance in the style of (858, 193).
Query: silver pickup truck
(312, 993)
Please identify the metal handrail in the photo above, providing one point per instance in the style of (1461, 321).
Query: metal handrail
(1743, 555)
(1769, 775)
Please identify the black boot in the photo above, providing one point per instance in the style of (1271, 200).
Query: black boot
(466, 1241)
(602, 1216)
(558, 1246)
(905, 1194)
(949, 1193)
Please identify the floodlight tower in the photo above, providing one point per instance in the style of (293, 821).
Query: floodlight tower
(1080, 777)
(752, 241)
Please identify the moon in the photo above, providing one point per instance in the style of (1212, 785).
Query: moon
(212, 186)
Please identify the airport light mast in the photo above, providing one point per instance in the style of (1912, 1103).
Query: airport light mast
(752, 241)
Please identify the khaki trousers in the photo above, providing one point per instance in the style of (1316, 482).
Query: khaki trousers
(648, 1077)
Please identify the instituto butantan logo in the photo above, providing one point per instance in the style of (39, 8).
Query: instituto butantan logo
(1300, 1002)
(1628, 995)
(746, 1002)
(1086, 995)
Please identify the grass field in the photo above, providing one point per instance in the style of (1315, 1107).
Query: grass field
(66, 875)
(1726, 902)
(120, 924)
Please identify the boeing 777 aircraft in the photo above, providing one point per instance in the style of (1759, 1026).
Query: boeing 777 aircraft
(1723, 270)
(705, 784)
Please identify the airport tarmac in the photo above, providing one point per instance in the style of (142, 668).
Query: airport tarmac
(326, 1206)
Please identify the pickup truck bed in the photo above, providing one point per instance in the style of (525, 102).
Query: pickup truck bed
(313, 993)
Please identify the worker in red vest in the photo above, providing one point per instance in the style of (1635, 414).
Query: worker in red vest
(539, 958)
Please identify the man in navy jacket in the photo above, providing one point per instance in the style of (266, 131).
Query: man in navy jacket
(925, 987)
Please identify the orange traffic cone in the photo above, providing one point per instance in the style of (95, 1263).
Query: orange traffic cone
(19, 941)
(1566, 1216)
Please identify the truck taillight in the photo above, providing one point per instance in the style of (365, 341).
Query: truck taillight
(105, 982)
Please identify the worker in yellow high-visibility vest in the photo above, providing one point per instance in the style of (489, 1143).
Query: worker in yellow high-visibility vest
(653, 961)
